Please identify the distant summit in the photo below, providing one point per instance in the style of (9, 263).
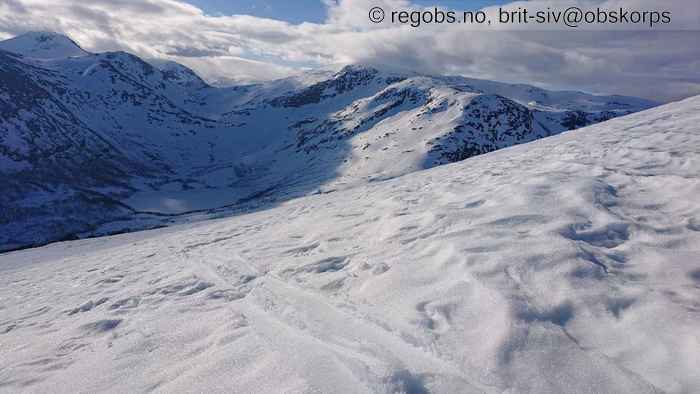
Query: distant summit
(179, 74)
(43, 45)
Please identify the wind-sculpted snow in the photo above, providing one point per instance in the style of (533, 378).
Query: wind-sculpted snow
(569, 264)
(134, 144)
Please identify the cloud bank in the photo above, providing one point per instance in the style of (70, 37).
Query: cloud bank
(660, 63)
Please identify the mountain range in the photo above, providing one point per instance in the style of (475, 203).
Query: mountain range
(101, 143)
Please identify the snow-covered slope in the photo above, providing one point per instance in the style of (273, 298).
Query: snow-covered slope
(569, 264)
(42, 45)
(179, 74)
(78, 134)
(107, 140)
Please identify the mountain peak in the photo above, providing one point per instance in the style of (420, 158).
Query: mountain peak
(357, 68)
(179, 74)
(43, 45)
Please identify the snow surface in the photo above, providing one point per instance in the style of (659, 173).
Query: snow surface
(569, 264)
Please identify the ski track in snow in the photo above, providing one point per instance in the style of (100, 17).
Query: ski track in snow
(570, 264)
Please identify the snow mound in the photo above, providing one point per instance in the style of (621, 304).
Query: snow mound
(569, 264)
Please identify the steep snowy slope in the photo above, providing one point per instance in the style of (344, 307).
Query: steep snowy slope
(107, 139)
(570, 264)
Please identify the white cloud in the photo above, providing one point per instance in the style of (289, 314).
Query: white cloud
(650, 63)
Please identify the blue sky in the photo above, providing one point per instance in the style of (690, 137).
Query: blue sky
(298, 11)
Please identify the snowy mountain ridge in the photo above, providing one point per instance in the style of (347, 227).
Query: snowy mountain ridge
(568, 264)
(101, 143)
(43, 45)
